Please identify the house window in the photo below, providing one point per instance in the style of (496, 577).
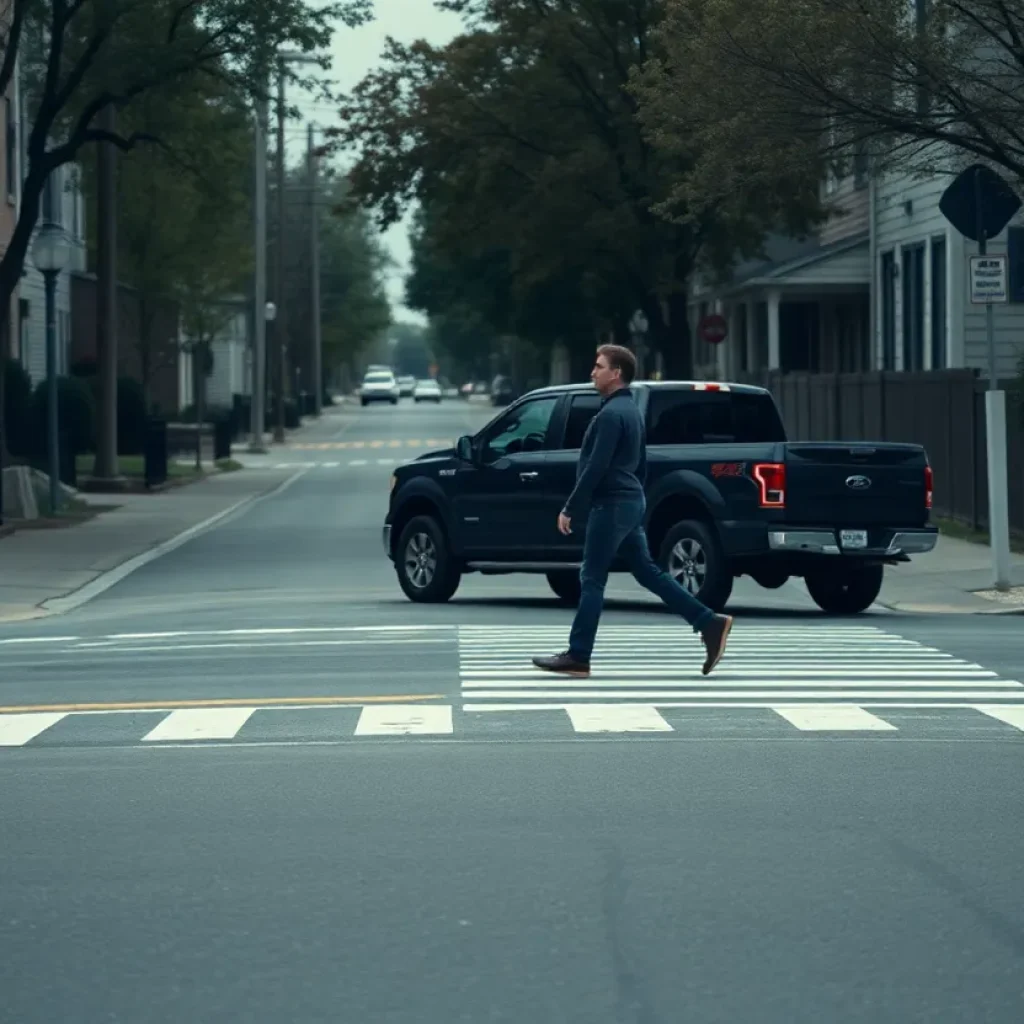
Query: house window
(888, 290)
(11, 153)
(1015, 262)
(912, 275)
(938, 297)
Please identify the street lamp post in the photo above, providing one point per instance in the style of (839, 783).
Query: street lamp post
(259, 348)
(50, 253)
(284, 57)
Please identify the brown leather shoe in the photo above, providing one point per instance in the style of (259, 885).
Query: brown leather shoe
(714, 635)
(564, 664)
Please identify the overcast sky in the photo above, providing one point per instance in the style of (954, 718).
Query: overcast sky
(357, 51)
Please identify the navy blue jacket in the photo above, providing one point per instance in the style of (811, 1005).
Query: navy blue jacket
(613, 457)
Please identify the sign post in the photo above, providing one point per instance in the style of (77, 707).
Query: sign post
(979, 204)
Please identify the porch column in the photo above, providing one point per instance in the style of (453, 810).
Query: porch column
(774, 359)
(728, 364)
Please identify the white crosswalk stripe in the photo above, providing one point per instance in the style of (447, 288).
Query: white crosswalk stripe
(812, 680)
(818, 678)
(200, 724)
(17, 730)
(197, 727)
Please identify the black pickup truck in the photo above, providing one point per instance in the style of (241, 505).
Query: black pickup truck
(727, 496)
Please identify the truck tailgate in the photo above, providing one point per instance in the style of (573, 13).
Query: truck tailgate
(856, 485)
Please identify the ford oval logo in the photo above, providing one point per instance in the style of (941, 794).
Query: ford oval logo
(858, 483)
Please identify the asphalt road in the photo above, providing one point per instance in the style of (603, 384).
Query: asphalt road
(252, 781)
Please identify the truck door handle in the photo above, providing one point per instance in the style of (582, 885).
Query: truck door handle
(528, 476)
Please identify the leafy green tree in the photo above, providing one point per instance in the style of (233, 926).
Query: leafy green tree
(82, 59)
(354, 307)
(525, 131)
(79, 60)
(410, 349)
(925, 87)
(184, 215)
(477, 301)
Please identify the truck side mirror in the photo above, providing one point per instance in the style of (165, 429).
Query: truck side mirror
(464, 448)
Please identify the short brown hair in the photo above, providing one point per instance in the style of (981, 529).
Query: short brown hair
(620, 358)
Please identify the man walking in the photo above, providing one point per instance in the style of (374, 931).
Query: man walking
(610, 483)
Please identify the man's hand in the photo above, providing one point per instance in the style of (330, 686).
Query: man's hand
(564, 524)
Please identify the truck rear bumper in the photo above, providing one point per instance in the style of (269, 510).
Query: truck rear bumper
(881, 543)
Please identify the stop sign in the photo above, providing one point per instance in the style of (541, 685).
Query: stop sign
(713, 328)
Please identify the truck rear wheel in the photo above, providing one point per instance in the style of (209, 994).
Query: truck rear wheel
(692, 556)
(566, 586)
(845, 590)
(426, 570)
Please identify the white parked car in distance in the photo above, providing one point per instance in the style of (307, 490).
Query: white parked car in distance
(427, 391)
(379, 386)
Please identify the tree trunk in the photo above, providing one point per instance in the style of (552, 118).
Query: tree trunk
(670, 335)
(106, 463)
(145, 355)
(199, 396)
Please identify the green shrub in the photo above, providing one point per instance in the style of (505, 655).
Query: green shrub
(75, 411)
(18, 423)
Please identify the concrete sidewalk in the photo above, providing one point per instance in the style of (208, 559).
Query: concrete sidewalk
(954, 578)
(46, 570)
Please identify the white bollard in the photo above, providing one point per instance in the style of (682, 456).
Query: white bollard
(998, 500)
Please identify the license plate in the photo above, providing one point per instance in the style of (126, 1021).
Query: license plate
(853, 538)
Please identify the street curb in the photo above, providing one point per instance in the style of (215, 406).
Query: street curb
(75, 599)
(946, 609)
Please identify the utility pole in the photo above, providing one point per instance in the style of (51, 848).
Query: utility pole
(314, 284)
(105, 467)
(259, 354)
(280, 325)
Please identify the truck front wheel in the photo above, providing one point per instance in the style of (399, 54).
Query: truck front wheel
(427, 573)
(845, 590)
(692, 556)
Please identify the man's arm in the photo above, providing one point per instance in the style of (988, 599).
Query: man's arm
(606, 435)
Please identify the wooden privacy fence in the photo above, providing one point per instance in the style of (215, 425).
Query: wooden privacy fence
(944, 410)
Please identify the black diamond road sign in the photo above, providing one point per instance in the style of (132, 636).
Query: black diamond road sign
(979, 200)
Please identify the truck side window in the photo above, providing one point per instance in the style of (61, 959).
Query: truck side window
(712, 417)
(582, 409)
(522, 430)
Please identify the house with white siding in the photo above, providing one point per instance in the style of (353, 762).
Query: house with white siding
(232, 360)
(64, 204)
(924, 316)
(806, 304)
(889, 250)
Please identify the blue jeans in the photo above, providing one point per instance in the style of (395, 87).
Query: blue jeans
(618, 528)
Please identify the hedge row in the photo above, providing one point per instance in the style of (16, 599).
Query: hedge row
(25, 414)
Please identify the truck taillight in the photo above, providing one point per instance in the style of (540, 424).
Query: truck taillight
(928, 486)
(771, 480)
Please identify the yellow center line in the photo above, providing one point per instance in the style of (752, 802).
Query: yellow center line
(215, 702)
